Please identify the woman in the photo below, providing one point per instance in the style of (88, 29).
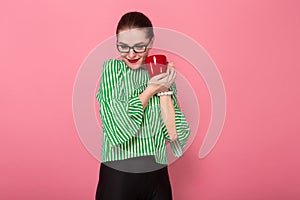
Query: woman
(138, 116)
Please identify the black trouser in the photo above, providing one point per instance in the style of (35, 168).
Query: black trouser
(116, 184)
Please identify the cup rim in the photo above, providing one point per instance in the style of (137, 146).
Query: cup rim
(151, 56)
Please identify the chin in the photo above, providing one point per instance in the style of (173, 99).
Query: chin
(134, 65)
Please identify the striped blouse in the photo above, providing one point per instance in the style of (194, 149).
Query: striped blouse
(129, 130)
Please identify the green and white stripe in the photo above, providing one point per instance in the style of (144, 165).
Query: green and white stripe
(128, 130)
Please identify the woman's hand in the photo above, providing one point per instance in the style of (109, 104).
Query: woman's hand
(173, 136)
(163, 81)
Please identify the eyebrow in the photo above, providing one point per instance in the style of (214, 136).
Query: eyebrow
(134, 44)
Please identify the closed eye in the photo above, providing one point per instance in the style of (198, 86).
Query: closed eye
(140, 46)
(123, 46)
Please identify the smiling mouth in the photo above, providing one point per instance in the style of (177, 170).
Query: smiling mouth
(133, 61)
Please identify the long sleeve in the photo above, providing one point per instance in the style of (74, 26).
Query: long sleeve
(182, 127)
(121, 118)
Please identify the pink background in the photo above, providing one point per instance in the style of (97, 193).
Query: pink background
(255, 45)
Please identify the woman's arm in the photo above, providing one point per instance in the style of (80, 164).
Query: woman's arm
(181, 126)
(121, 118)
(168, 115)
(146, 95)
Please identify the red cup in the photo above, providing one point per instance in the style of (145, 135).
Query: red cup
(156, 64)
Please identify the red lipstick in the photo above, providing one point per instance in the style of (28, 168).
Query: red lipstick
(133, 61)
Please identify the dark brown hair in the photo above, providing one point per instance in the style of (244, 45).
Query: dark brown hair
(135, 20)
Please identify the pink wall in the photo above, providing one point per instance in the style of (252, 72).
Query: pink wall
(255, 45)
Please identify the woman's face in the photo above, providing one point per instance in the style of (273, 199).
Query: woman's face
(138, 38)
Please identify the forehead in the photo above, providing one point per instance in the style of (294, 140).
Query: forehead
(132, 36)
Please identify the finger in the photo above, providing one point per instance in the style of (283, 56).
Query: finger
(172, 69)
(171, 64)
(168, 70)
(172, 81)
(164, 81)
(172, 75)
(161, 81)
(159, 76)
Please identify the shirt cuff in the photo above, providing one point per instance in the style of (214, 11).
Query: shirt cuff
(135, 108)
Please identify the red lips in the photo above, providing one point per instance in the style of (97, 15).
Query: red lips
(133, 61)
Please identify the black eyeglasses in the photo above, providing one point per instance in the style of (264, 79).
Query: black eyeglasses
(123, 48)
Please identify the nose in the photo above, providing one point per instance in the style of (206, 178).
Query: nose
(131, 53)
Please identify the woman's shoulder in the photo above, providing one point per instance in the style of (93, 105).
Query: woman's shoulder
(114, 64)
(113, 71)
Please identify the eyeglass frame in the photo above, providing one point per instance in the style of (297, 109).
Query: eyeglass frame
(132, 47)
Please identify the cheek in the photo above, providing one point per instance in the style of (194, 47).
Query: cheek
(123, 56)
(144, 56)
